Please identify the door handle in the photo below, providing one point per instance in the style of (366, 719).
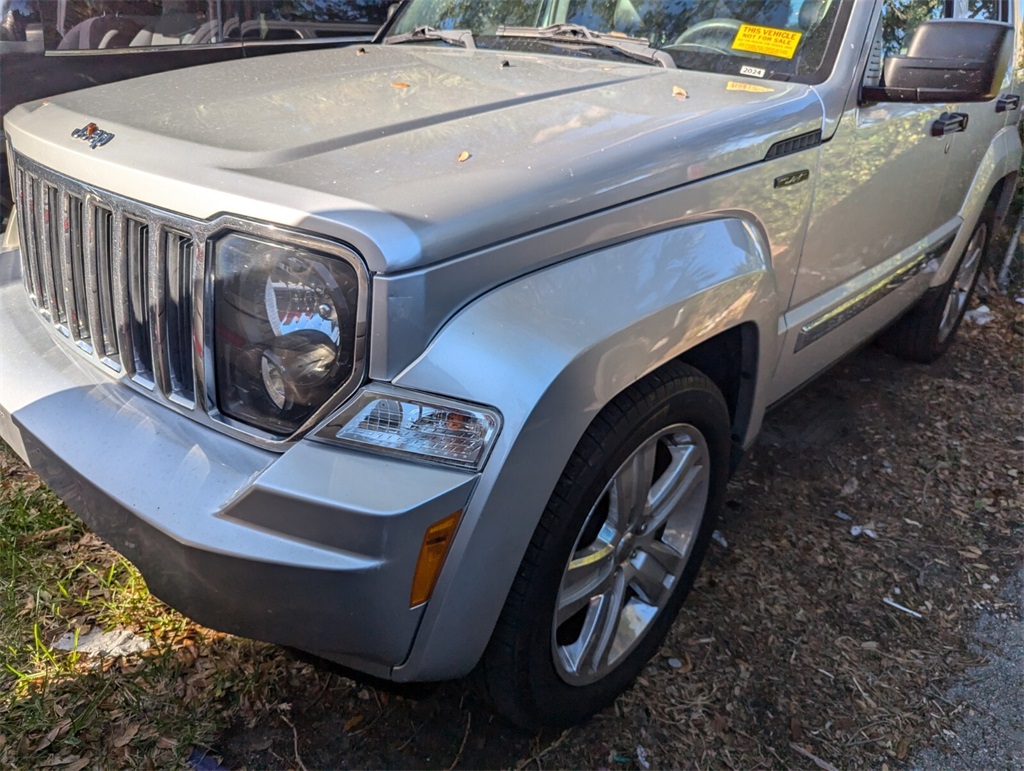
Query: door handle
(1007, 102)
(949, 123)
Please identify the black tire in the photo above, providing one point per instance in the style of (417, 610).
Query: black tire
(645, 425)
(928, 329)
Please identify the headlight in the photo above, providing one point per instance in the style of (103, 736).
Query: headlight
(418, 427)
(285, 328)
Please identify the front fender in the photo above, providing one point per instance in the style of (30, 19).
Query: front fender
(549, 350)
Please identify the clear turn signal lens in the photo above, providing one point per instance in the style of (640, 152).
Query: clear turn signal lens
(444, 432)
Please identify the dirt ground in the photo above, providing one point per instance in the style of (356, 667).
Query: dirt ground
(877, 519)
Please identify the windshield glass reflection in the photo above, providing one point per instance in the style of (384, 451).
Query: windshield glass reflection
(782, 39)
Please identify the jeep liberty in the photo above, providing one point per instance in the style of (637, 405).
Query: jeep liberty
(433, 356)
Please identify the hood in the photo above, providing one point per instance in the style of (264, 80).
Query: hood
(413, 153)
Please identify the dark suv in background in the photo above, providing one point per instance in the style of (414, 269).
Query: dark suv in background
(52, 46)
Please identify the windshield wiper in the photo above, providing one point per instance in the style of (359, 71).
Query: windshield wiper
(463, 37)
(634, 47)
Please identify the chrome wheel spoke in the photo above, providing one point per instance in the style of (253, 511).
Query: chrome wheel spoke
(684, 476)
(590, 650)
(655, 570)
(630, 489)
(957, 298)
(585, 577)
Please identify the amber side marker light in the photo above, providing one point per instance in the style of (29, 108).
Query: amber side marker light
(436, 541)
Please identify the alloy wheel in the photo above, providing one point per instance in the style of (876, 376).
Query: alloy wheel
(630, 553)
(963, 283)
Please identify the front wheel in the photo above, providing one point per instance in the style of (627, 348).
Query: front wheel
(615, 553)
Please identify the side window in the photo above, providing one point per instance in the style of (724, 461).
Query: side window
(996, 10)
(21, 28)
(290, 20)
(901, 18)
(114, 24)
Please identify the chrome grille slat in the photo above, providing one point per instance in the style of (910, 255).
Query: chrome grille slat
(61, 238)
(155, 306)
(73, 243)
(119, 278)
(137, 252)
(32, 216)
(205, 401)
(53, 269)
(101, 237)
(28, 267)
(177, 257)
(90, 276)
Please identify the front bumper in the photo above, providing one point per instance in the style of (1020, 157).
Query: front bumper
(314, 548)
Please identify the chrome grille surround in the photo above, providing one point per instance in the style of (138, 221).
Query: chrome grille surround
(127, 286)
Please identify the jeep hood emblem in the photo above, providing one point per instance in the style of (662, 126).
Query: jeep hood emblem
(92, 134)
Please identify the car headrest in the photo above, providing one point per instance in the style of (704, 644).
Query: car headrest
(811, 12)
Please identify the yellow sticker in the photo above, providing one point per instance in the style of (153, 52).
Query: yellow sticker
(769, 41)
(753, 88)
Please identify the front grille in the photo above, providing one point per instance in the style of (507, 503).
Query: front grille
(114, 277)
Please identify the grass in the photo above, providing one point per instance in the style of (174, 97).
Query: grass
(72, 711)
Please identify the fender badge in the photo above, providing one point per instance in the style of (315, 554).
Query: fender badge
(92, 134)
(795, 178)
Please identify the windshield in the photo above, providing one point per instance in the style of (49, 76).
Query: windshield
(781, 39)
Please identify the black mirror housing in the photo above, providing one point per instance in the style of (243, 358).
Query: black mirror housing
(948, 60)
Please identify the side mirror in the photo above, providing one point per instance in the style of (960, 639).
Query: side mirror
(948, 60)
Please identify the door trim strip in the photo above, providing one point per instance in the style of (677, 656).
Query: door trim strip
(814, 330)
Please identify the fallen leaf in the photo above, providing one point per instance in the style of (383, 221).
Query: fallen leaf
(58, 760)
(796, 730)
(261, 746)
(40, 536)
(902, 749)
(464, 156)
(52, 734)
(126, 735)
(679, 93)
(721, 723)
(353, 721)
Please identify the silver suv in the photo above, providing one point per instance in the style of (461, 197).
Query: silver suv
(434, 356)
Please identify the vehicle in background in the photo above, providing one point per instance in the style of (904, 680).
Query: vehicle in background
(50, 47)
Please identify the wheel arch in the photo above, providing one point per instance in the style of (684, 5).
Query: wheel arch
(993, 182)
(729, 360)
(1002, 196)
(552, 349)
